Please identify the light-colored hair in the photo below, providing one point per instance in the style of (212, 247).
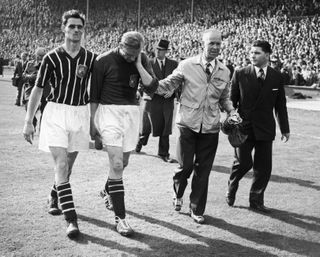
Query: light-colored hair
(211, 31)
(132, 39)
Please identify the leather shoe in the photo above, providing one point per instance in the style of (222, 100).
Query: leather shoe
(259, 208)
(197, 218)
(230, 200)
(72, 229)
(138, 147)
(167, 159)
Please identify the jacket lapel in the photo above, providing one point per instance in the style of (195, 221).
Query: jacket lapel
(157, 69)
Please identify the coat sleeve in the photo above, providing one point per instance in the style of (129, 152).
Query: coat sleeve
(235, 90)
(281, 112)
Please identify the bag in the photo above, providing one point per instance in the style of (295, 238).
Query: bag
(14, 82)
(235, 136)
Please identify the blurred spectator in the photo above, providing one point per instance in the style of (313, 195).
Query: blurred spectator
(291, 26)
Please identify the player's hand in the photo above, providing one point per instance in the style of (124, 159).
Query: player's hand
(93, 131)
(138, 95)
(28, 132)
(168, 94)
(285, 137)
(138, 60)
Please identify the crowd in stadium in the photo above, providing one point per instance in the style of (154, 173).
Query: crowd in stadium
(291, 26)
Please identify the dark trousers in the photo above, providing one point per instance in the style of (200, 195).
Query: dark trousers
(261, 164)
(163, 147)
(196, 153)
(146, 128)
(19, 91)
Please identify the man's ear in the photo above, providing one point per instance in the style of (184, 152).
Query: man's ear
(63, 28)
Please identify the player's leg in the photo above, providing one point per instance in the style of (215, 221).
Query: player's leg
(116, 188)
(60, 157)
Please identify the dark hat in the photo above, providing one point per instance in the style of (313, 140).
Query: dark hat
(163, 44)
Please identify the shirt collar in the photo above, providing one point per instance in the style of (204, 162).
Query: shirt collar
(264, 70)
(204, 63)
(159, 61)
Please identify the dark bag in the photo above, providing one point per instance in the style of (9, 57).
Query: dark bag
(14, 82)
(235, 136)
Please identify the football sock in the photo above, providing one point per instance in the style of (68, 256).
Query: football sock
(106, 186)
(66, 201)
(53, 192)
(116, 191)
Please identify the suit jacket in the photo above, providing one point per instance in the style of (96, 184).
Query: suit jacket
(258, 103)
(161, 109)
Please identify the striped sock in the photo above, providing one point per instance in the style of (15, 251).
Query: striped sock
(116, 191)
(53, 192)
(66, 201)
(106, 187)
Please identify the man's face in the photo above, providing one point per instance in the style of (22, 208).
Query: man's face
(129, 54)
(24, 56)
(161, 53)
(258, 57)
(211, 45)
(73, 30)
(39, 57)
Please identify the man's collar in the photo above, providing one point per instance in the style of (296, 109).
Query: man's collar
(264, 69)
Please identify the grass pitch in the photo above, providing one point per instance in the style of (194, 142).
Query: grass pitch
(26, 175)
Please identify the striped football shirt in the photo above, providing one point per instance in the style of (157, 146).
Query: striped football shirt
(68, 76)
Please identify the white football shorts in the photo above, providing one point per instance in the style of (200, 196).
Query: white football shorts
(118, 125)
(65, 126)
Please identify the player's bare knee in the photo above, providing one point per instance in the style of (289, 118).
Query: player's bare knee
(118, 166)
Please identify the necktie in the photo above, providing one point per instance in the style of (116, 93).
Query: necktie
(208, 69)
(261, 74)
(162, 68)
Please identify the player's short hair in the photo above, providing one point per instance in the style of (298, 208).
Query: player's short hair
(72, 14)
(265, 46)
(132, 39)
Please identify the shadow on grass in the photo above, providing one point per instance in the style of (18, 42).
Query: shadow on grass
(281, 242)
(303, 221)
(160, 246)
(274, 178)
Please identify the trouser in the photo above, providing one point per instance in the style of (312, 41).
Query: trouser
(261, 164)
(197, 153)
(19, 92)
(146, 128)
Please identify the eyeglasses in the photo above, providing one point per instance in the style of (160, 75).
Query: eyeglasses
(72, 26)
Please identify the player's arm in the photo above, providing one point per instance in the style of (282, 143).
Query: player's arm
(43, 77)
(33, 104)
(148, 79)
(96, 85)
(172, 82)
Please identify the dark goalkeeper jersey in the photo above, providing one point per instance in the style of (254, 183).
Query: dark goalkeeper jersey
(68, 76)
(115, 81)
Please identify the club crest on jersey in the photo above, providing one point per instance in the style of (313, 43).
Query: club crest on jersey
(134, 79)
(81, 71)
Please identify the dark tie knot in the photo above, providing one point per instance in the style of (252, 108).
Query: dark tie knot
(208, 65)
(261, 74)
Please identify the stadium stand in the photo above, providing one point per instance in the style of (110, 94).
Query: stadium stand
(291, 26)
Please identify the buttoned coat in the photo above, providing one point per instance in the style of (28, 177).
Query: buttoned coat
(161, 109)
(259, 103)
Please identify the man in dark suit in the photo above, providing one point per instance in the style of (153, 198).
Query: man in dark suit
(159, 109)
(257, 92)
(19, 69)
